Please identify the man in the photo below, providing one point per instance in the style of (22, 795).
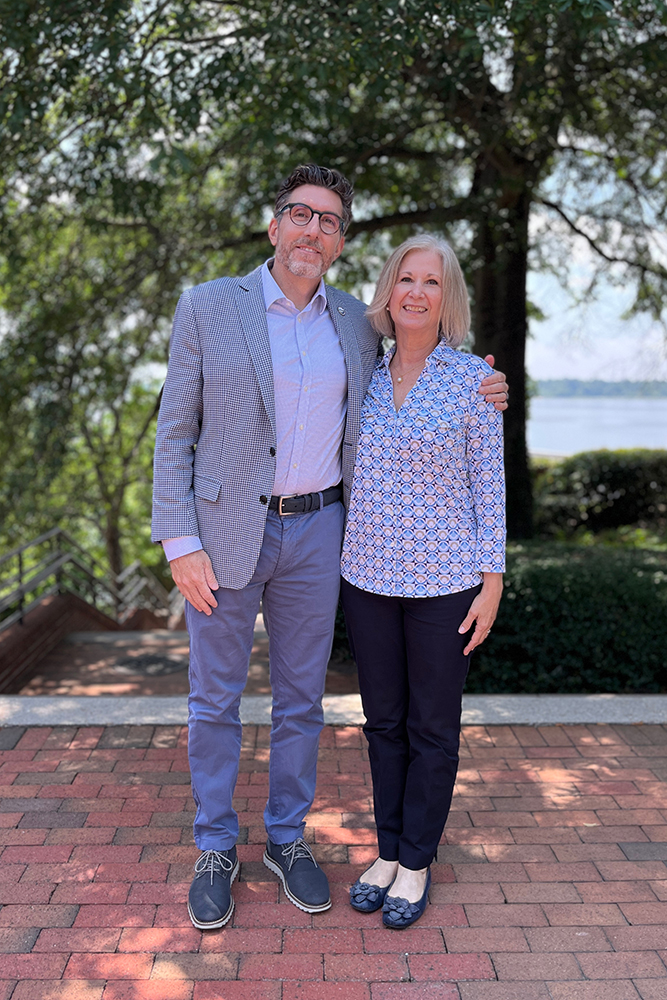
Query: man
(257, 429)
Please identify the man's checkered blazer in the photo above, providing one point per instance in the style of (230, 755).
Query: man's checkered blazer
(217, 420)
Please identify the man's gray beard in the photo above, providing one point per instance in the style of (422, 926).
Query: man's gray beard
(301, 268)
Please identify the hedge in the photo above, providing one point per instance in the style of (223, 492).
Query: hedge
(599, 490)
(573, 620)
(577, 619)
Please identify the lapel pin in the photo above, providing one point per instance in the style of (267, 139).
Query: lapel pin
(341, 310)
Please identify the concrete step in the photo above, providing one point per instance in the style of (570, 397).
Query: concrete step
(478, 710)
(151, 662)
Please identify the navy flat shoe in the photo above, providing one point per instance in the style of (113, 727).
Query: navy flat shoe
(367, 898)
(398, 913)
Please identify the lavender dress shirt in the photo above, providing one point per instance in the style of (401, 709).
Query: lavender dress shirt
(310, 382)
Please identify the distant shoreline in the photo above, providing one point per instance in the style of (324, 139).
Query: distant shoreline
(569, 388)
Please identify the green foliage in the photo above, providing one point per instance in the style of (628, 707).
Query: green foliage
(443, 113)
(87, 308)
(602, 490)
(98, 488)
(576, 620)
(572, 620)
(142, 143)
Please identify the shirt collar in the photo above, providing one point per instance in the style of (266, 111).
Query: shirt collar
(441, 353)
(274, 293)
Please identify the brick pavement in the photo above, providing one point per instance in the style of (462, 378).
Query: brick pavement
(551, 883)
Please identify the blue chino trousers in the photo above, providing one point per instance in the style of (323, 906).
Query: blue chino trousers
(297, 580)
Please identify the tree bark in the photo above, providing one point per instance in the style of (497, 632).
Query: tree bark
(500, 320)
(112, 538)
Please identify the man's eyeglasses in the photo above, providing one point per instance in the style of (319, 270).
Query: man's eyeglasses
(301, 215)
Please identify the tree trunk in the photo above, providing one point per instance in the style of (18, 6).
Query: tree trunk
(113, 542)
(500, 322)
(113, 546)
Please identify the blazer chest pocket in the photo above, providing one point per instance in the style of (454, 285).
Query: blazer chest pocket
(206, 488)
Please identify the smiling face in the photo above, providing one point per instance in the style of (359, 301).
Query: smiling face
(416, 301)
(305, 251)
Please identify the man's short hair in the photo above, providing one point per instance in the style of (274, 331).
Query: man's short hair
(311, 173)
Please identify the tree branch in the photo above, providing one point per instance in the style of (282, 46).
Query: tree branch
(410, 154)
(425, 216)
(142, 433)
(124, 224)
(236, 241)
(380, 150)
(660, 272)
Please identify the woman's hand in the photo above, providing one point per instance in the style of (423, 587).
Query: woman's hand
(483, 611)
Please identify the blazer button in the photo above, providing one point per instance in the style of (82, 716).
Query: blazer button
(263, 499)
(272, 452)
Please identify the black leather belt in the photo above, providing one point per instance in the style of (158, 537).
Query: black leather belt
(307, 502)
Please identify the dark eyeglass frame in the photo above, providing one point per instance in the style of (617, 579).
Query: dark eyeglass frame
(313, 211)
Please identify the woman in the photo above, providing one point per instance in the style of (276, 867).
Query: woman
(422, 561)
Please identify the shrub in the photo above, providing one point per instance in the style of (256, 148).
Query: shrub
(599, 490)
(575, 620)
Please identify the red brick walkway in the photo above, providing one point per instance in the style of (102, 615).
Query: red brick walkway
(552, 882)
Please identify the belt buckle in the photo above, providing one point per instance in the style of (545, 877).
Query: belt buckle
(287, 513)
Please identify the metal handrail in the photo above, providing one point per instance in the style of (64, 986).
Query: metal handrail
(136, 586)
(51, 533)
(29, 545)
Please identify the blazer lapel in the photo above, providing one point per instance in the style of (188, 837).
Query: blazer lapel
(252, 313)
(345, 329)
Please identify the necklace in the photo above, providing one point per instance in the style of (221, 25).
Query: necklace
(399, 378)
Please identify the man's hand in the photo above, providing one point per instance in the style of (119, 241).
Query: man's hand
(494, 388)
(193, 575)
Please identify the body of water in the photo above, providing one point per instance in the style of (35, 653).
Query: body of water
(566, 425)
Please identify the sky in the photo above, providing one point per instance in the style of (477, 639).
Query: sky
(591, 341)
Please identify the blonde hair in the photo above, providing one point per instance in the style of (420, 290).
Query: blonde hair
(455, 310)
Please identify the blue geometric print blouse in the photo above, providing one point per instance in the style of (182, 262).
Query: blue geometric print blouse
(427, 511)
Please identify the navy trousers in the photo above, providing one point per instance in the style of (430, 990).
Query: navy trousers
(411, 675)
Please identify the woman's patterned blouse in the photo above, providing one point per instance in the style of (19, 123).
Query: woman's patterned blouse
(427, 511)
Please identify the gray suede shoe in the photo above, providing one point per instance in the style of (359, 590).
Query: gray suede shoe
(210, 902)
(303, 880)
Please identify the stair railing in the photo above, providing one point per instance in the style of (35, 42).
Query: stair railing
(55, 563)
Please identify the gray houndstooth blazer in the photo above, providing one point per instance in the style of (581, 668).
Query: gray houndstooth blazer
(217, 418)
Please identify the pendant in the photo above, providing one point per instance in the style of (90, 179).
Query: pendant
(399, 378)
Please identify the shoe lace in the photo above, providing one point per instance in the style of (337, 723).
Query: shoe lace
(210, 862)
(297, 849)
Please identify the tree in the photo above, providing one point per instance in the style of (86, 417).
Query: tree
(76, 392)
(514, 126)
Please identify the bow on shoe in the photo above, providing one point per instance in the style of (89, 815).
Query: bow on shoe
(399, 909)
(365, 892)
(212, 862)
